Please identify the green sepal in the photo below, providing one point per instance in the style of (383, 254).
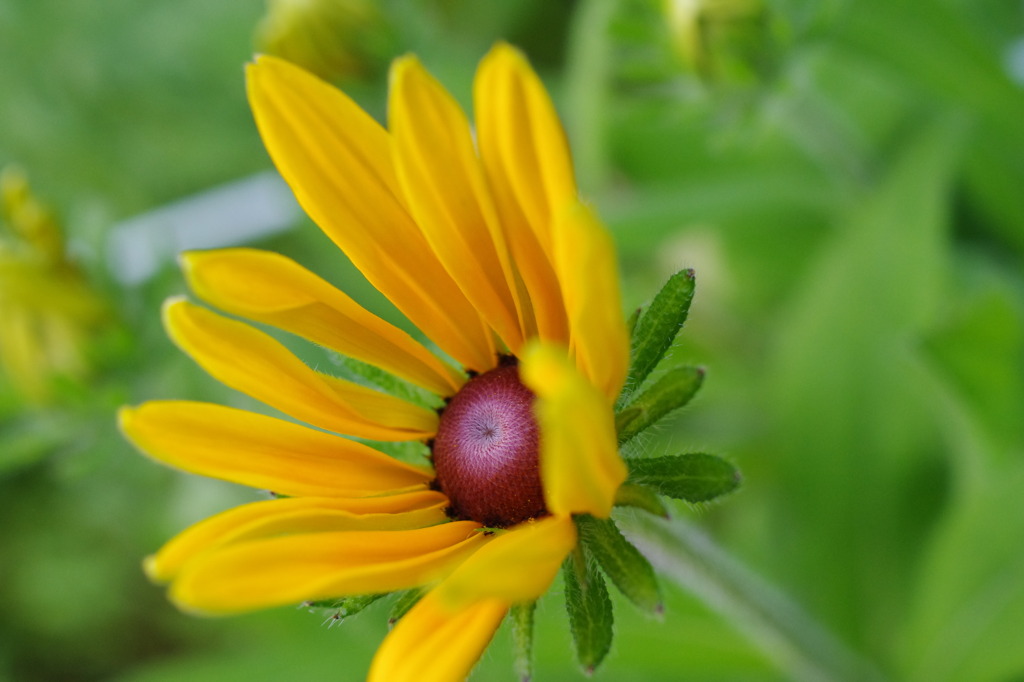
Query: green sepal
(590, 611)
(621, 562)
(657, 327)
(406, 600)
(672, 391)
(370, 375)
(696, 477)
(641, 497)
(521, 620)
(345, 607)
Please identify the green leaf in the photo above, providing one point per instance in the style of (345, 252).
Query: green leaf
(979, 349)
(672, 391)
(405, 601)
(696, 477)
(626, 567)
(521, 617)
(340, 609)
(641, 497)
(375, 377)
(967, 614)
(852, 405)
(590, 611)
(658, 326)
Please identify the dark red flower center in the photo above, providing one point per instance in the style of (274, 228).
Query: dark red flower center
(485, 451)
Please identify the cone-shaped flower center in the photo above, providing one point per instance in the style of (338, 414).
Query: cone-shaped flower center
(485, 451)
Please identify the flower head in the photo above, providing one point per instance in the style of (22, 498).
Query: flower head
(479, 238)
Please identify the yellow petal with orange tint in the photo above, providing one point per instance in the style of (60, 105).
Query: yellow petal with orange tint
(292, 569)
(290, 516)
(432, 643)
(337, 160)
(444, 185)
(263, 452)
(516, 566)
(252, 362)
(267, 287)
(580, 466)
(506, 152)
(522, 141)
(589, 276)
(528, 166)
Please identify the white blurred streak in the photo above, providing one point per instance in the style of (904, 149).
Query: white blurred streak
(238, 212)
(1014, 59)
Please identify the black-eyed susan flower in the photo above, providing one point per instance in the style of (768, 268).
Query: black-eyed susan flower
(479, 238)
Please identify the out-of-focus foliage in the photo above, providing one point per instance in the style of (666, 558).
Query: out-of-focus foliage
(851, 220)
(843, 177)
(715, 40)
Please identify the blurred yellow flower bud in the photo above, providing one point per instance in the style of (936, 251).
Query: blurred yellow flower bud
(48, 310)
(30, 221)
(335, 39)
(717, 38)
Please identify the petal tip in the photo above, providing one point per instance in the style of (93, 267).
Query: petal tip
(265, 74)
(263, 62)
(174, 303)
(151, 567)
(507, 50)
(404, 67)
(256, 68)
(125, 416)
(508, 57)
(187, 262)
(172, 312)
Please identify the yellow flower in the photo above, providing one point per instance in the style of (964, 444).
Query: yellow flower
(478, 237)
(48, 311)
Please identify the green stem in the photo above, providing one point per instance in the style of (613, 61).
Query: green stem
(786, 634)
(588, 71)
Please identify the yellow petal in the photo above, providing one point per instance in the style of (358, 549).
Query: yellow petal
(442, 637)
(252, 362)
(580, 465)
(528, 166)
(444, 184)
(434, 644)
(522, 142)
(516, 566)
(267, 287)
(263, 452)
(289, 516)
(589, 275)
(286, 570)
(337, 160)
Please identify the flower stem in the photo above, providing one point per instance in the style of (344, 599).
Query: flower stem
(798, 645)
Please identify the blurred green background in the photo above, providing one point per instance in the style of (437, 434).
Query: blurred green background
(846, 178)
